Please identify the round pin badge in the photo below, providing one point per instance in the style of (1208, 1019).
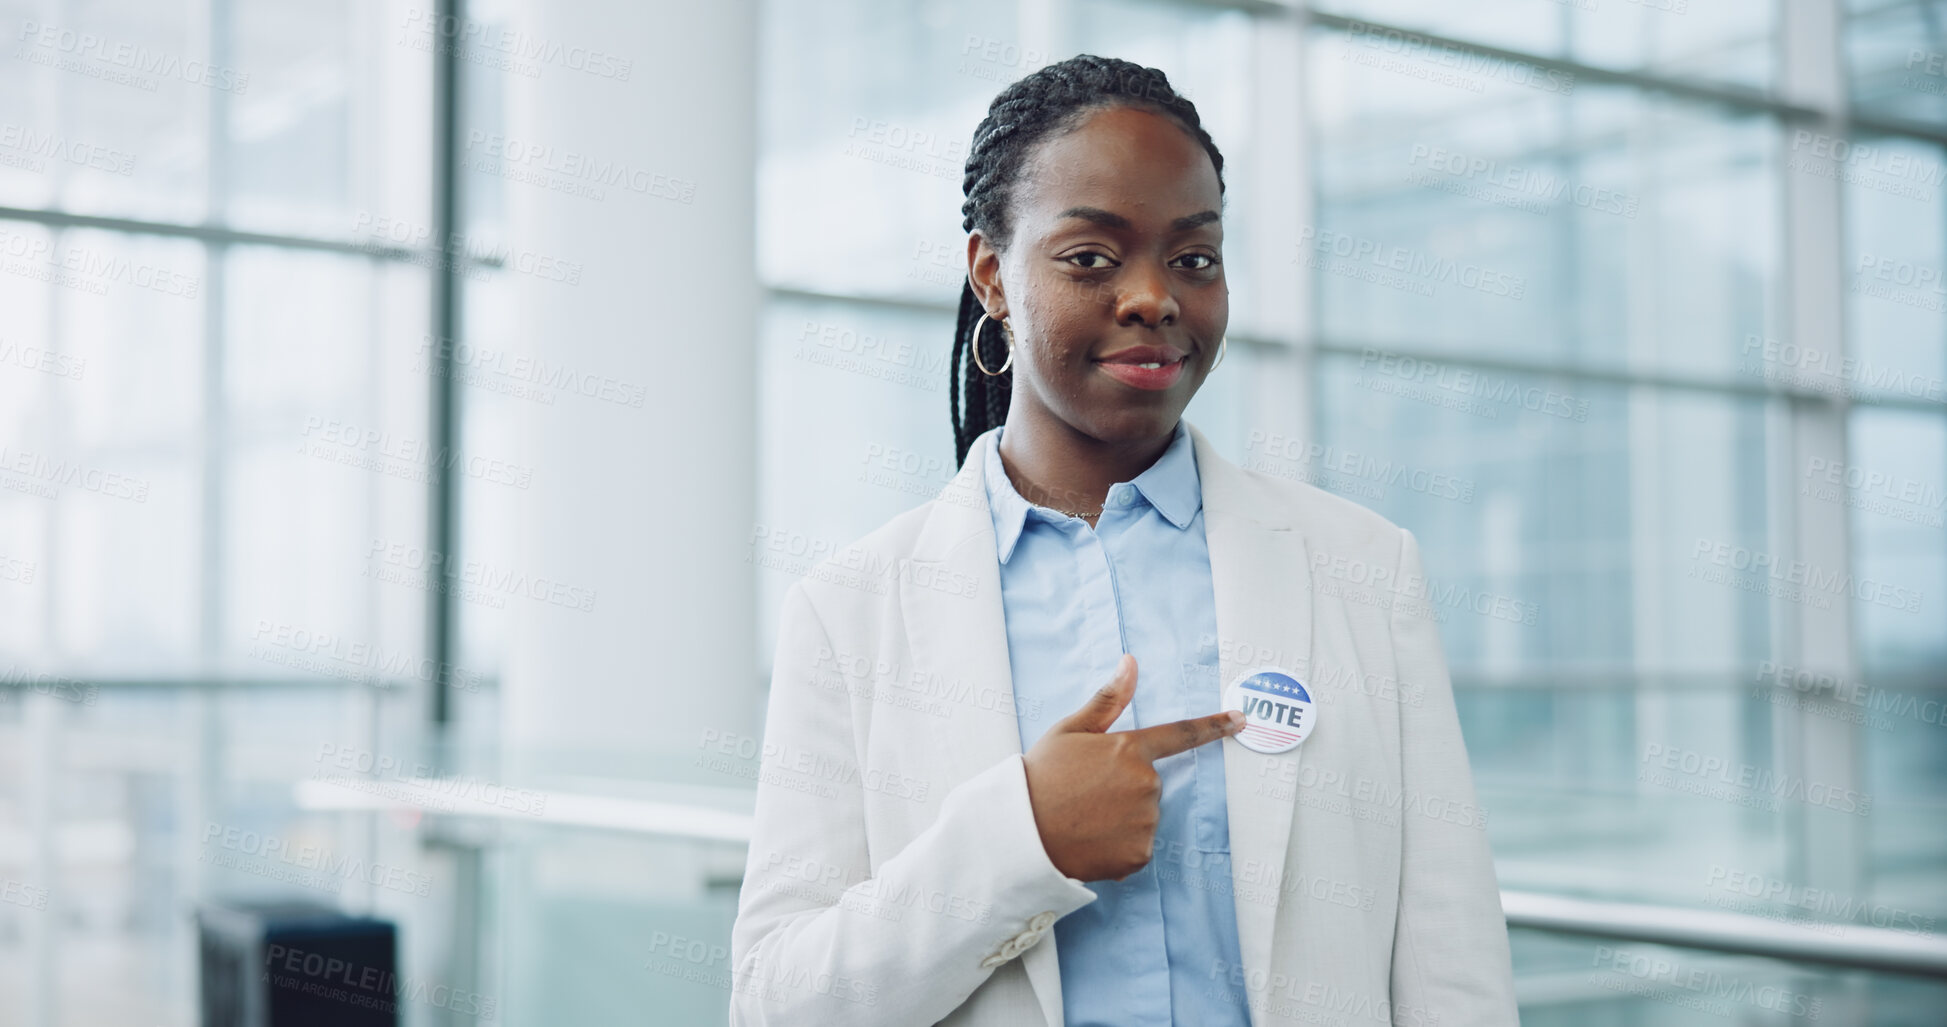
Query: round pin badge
(1278, 711)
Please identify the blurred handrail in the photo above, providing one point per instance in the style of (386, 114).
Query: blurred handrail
(471, 797)
(1857, 947)
(1863, 948)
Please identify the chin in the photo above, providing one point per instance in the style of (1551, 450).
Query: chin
(1133, 423)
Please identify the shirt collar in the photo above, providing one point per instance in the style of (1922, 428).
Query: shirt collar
(1170, 485)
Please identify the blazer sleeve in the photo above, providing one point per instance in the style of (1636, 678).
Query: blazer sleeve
(818, 938)
(1450, 944)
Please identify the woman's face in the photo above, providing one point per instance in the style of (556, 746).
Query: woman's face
(1115, 261)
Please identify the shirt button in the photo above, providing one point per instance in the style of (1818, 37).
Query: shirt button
(1041, 921)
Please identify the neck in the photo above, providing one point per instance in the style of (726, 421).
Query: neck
(1053, 465)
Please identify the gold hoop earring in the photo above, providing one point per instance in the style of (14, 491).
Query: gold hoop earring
(976, 349)
(1221, 345)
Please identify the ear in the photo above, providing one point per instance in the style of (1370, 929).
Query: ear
(984, 274)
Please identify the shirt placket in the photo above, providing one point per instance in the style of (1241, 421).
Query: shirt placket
(1141, 957)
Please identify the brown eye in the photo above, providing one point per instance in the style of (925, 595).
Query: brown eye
(1089, 254)
(1209, 261)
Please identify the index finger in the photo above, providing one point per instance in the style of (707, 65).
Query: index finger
(1163, 740)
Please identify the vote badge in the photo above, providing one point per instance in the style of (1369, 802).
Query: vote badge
(1278, 711)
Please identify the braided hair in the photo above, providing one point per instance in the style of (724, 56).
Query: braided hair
(1052, 99)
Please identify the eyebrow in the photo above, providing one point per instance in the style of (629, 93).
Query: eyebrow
(1110, 219)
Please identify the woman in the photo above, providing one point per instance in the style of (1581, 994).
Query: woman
(958, 821)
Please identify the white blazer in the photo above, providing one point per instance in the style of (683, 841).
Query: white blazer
(895, 874)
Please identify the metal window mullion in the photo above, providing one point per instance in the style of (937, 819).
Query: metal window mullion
(441, 489)
(213, 232)
(199, 781)
(1287, 305)
(1827, 846)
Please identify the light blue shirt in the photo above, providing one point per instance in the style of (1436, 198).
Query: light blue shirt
(1156, 947)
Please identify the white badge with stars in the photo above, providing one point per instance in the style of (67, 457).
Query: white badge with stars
(1278, 711)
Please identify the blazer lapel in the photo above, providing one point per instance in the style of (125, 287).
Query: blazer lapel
(963, 639)
(1261, 574)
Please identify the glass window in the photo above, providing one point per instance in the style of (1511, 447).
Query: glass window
(1896, 60)
(1729, 43)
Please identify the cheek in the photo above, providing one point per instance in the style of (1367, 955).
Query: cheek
(1062, 339)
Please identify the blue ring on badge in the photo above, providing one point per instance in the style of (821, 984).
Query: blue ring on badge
(1278, 710)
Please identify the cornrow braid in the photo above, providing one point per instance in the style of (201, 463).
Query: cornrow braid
(1052, 99)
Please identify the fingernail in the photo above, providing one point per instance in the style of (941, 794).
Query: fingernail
(1236, 718)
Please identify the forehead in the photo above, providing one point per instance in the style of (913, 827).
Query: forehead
(1134, 162)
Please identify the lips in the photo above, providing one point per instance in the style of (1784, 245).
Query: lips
(1145, 367)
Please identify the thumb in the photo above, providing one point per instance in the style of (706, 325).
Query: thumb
(1100, 711)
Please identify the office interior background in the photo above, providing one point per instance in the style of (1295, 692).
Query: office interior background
(411, 415)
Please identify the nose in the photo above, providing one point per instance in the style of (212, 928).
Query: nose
(1145, 297)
